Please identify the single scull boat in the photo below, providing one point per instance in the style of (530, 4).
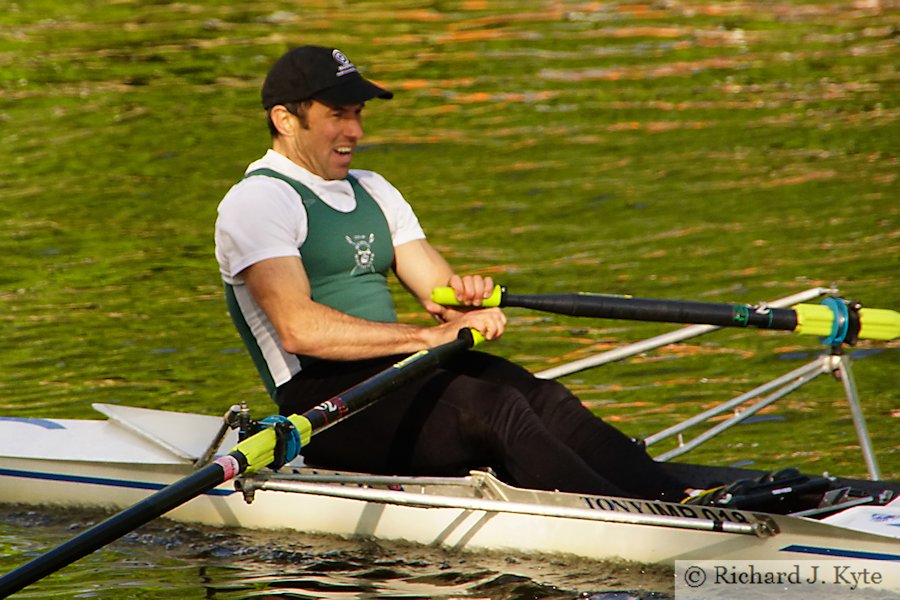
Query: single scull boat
(137, 451)
(152, 463)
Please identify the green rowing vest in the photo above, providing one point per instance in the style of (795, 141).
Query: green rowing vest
(347, 256)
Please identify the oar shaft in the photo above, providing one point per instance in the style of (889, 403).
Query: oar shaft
(112, 529)
(648, 309)
(835, 320)
(369, 391)
(258, 449)
(249, 455)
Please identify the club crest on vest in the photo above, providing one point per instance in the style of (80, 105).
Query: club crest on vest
(365, 257)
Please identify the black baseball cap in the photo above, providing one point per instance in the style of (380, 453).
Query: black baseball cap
(316, 72)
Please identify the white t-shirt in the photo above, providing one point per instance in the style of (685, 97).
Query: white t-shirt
(262, 217)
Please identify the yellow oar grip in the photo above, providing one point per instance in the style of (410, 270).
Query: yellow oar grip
(477, 337)
(259, 449)
(879, 324)
(445, 296)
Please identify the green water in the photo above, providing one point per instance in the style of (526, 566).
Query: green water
(166, 560)
(735, 151)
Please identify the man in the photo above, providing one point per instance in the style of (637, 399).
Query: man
(305, 245)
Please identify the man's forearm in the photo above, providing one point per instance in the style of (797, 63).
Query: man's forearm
(320, 331)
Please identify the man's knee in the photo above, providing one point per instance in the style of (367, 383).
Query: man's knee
(548, 396)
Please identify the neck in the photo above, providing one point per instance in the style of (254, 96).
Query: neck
(286, 150)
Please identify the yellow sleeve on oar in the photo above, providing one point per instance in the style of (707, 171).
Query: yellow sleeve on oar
(814, 319)
(259, 448)
(879, 324)
(874, 323)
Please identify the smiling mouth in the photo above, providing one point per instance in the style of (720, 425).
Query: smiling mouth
(344, 150)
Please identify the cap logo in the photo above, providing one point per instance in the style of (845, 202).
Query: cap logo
(345, 66)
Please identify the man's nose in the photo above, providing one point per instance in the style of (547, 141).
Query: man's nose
(353, 129)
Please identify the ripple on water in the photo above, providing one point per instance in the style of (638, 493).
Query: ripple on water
(165, 559)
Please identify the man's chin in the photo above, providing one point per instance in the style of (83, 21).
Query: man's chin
(339, 171)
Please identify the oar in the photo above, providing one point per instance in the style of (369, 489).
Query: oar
(252, 454)
(836, 320)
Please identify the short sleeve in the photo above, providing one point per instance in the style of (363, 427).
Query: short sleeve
(401, 218)
(259, 218)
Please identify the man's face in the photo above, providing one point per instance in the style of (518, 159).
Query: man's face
(326, 145)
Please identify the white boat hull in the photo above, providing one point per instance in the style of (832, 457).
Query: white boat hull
(123, 462)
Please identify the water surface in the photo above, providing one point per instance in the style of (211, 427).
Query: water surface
(168, 560)
(721, 151)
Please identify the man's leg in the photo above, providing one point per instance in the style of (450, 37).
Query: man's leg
(461, 422)
(608, 451)
(442, 423)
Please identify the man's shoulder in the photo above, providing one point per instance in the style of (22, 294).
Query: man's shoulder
(377, 185)
(256, 189)
(363, 175)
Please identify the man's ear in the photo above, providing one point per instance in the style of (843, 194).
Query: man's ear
(283, 120)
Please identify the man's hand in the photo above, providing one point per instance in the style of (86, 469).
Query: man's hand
(470, 290)
(490, 322)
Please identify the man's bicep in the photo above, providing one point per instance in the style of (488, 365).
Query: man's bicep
(279, 285)
(421, 268)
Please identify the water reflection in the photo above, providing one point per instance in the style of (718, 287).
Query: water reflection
(167, 560)
(568, 144)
